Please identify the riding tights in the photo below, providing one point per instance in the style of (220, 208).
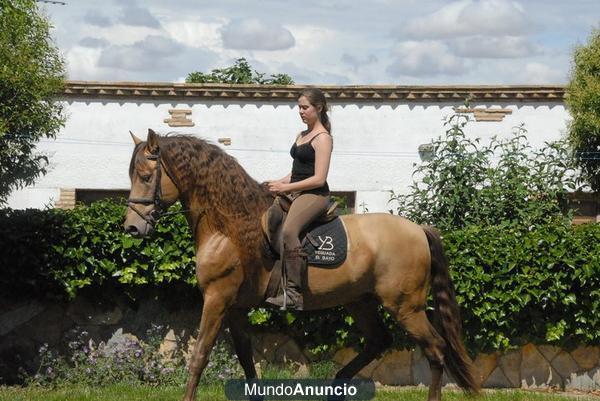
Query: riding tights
(305, 208)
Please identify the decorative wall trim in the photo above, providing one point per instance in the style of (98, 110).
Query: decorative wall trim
(67, 199)
(482, 114)
(179, 118)
(349, 93)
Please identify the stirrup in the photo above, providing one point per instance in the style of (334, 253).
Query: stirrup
(284, 302)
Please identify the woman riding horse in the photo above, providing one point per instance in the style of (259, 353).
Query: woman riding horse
(307, 183)
(390, 261)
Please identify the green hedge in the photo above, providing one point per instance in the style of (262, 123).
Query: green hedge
(539, 284)
(515, 285)
(65, 250)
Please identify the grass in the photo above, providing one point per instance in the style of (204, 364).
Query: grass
(120, 392)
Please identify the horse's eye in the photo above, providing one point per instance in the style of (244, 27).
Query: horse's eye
(147, 178)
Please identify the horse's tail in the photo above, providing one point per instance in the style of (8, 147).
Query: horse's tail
(447, 315)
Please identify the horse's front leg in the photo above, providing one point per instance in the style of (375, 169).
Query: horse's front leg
(213, 312)
(237, 321)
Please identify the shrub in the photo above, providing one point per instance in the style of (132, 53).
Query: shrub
(65, 250)
(469, 183)
(536, 284)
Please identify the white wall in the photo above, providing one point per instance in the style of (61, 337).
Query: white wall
(375, 145)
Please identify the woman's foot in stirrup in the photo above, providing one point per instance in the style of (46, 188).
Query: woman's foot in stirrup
(286, 302)
(276, 301)
(293, 300)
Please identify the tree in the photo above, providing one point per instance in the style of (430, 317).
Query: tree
(239, 73)
(31, 77)
(583, 99)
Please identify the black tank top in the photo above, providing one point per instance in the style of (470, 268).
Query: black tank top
(304, 166)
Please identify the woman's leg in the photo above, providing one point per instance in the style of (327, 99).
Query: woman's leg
(303, 211)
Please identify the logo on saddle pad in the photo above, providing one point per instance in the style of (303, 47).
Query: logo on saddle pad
(326, 244)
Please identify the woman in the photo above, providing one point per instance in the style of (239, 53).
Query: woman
(307, 183)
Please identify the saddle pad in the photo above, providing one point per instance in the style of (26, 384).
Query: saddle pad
(327, 244)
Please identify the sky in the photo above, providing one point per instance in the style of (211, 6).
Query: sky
(335, 42)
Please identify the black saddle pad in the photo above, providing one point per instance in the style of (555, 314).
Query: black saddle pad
(327, 244)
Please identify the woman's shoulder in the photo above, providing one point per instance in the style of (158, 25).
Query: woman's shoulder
(322, 136)
(322, 139)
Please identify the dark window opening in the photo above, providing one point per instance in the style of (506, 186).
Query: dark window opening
(88, 196)
(585, 206)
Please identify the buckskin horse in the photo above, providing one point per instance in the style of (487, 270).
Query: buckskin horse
(390, 261)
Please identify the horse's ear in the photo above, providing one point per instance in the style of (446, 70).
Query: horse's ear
(152, 140)
(136, 140)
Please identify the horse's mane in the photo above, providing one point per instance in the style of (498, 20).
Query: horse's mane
(234, 200)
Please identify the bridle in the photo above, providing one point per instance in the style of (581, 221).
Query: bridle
(159, 205)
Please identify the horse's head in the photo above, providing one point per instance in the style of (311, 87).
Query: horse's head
(152, 187)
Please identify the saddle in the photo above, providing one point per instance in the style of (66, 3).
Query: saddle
(324, 241)
(326, 235)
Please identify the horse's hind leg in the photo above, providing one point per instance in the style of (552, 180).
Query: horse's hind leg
(418, 326)
(236, 319)
(377, 336)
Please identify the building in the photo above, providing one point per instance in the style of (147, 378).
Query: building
(377, 131)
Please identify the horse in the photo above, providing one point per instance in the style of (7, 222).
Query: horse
(391, 261)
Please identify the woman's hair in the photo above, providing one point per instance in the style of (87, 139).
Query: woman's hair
(316, 97)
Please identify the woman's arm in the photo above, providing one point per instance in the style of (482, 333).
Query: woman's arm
(323, 145)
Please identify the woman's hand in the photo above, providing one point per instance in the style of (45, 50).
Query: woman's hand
(277, 187)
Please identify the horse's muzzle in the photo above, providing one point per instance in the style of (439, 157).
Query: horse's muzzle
(145, 230)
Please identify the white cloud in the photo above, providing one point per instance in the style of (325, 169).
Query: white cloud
(306, 74)
(135, 15)
(150, 53)
(195, 32)
(538, 73)
(425, 58)
(93, 42)
(357, 62)
(471, 17)
(253, 34)
(494, 47)
(465, 41)
(122, 35)
(314, 58)
(81, 64)
(97, 19)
